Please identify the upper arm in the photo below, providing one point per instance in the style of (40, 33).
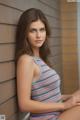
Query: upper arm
(25, 72)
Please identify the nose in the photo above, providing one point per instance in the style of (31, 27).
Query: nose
(38, 34)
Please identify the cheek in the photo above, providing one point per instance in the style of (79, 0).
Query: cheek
(44, 35)
(30, 37)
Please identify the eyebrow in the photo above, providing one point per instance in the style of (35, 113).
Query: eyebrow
(42, 28)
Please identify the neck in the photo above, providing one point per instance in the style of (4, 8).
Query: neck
(36, 52)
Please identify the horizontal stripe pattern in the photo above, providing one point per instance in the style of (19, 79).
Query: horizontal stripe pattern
(47, 79)
(46, 89)
(47, 117)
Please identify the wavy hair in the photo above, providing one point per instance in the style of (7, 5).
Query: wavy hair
(22, 44)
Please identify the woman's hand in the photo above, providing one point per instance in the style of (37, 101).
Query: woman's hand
(76, 96)
(73, 101)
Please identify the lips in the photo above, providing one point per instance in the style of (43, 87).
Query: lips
(39, 41)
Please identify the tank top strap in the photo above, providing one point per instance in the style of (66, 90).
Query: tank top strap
(36, 59)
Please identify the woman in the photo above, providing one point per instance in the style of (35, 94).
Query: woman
(38, 85)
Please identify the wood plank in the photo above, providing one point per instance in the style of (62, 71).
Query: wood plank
(69, 32)
(9, 49)
(70, 57)
(7, 33)
(57, 68)
(53, 22)
(55, 50)
(54, 42)
(55, 32)
(71, 23)
(68, 6)
(15, 116)
(68, 16)
(9, 15)
(55, 59)
(70, 77)
(9, 107)
(36, 4)
(7, 71)
(69, 49)
(7, 90)
(69, 41)
(53, 4)
(69, 37)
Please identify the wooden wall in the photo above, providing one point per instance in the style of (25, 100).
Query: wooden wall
(10, 11)
(69, 46)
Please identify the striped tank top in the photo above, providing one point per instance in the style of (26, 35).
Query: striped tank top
(46, 89)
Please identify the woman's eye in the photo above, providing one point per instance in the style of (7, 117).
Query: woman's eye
(32, 30)
(35, 30)
(42, 30)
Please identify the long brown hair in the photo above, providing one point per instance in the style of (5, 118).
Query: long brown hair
(22, 44)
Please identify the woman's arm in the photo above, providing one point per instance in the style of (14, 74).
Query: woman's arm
(25, 75)
(40, 107)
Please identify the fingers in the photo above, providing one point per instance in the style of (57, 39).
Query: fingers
(76, 96)
(78, 104)
(76, 99)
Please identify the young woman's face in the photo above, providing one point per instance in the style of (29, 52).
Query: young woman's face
(36, 34)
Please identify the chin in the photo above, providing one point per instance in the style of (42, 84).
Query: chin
(40, 45)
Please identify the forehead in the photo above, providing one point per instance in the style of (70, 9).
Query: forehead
(37, 24)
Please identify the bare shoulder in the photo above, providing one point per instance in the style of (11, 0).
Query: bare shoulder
(25, 59)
